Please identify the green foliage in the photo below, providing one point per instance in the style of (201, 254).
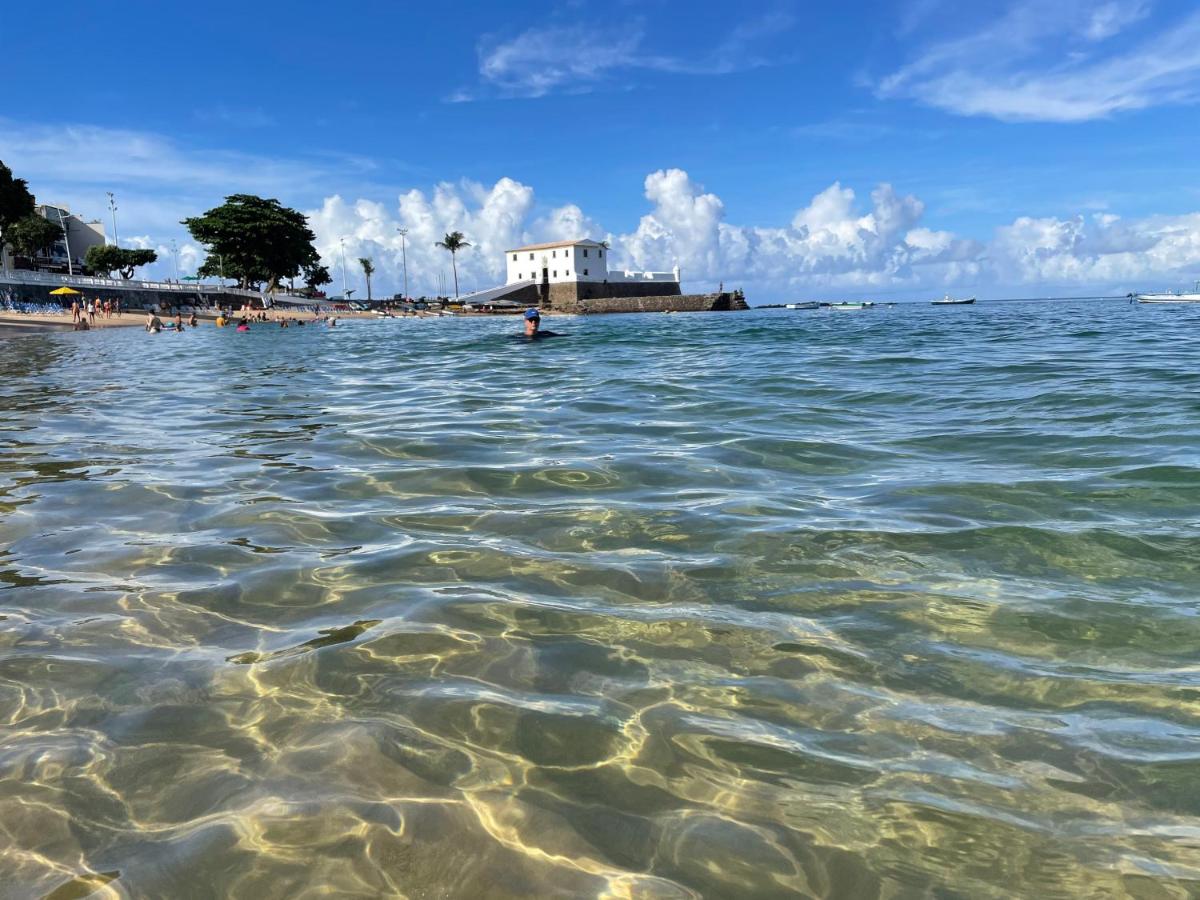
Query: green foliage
(453, 242)
(368, 267)
(316, 275)
(104, 259)
(15, 200)
(258, 240)
(31, 234)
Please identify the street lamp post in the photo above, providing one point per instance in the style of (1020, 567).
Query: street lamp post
(175, 257)
(342, 242)
(112, 205)
(62, 223)
(404, 257)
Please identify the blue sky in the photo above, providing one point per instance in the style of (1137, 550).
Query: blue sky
(845, 149)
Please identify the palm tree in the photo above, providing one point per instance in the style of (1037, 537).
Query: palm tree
(453, 242)
(368, 268)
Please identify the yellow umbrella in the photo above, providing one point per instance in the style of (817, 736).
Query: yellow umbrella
(64, 290)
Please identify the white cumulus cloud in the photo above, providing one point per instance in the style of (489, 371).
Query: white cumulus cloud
(834, 244)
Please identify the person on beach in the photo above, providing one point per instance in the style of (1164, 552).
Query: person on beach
(74, 310)
(117, 307)
(193, 321)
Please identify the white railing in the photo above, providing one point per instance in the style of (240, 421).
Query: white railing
(23, 276)
(643, 276)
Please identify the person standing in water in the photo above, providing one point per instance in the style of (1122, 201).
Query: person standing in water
(533, 325)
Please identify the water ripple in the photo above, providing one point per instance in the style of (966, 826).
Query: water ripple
(899, 603)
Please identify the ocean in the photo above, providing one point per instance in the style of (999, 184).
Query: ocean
(892, 603)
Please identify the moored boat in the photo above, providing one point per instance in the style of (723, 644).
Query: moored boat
(953, 301)
(809, 305)
(1169, 297)
(846, 305)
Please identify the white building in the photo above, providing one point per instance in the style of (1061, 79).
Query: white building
(80, 235)
(573, 262)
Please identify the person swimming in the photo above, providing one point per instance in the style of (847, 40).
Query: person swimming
(533, 326)
(243, 325)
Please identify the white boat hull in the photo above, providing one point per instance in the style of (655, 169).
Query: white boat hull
(1168, 298)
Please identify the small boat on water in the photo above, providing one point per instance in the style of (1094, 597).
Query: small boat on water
(953, 301)
(810, 305)
(1193, 297)
(847, 306)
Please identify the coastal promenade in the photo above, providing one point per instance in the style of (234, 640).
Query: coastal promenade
(35, 287)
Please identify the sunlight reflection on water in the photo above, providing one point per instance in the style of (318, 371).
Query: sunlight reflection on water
(897, 603)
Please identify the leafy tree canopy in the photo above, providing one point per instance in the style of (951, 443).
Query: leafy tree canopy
(104, 259)
(15, 200)
(454, 241)
(257, 240)
(368, 267)
(316, 275)
(30, 234)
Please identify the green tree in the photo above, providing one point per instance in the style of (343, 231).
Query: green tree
(15, 202)
(368, 267)
(32, 233)
(453, 242)
(316, 275)
(259, 240)
(104, 259)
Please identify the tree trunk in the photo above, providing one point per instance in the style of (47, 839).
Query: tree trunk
(368, 288)
(454, 263)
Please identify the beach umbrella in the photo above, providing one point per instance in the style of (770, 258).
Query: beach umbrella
(64, 290)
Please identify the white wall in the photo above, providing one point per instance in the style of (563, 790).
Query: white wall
(672, 276)
(81, 234)
(564, 264)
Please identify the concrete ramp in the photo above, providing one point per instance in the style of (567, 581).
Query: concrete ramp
(490, 295)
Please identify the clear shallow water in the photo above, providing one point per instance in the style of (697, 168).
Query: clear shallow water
(897, 603)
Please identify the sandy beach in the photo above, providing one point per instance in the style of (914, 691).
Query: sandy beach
(133, 319)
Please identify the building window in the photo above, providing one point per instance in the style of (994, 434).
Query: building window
(585, 271)
(554, 254)
(556, 273)
(585, 251)
(531, 256)
(518, 276)
(514, 257)
(567, 274)
(600, 253)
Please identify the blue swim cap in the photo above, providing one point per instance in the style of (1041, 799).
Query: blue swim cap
(532, 313)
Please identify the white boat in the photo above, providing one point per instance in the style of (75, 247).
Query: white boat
(1180, 297)
(851, 306)
(952, 301)
(810, 305)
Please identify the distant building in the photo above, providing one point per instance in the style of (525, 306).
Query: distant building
(80, 235)
(566, 272)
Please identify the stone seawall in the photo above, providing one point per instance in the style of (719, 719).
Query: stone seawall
(569, 295)
(670, 303)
